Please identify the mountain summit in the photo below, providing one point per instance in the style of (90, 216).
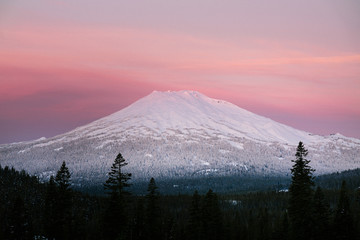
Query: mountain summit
(185, 113)
(180, 134)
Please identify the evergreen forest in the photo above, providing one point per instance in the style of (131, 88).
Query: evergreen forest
(326, 207)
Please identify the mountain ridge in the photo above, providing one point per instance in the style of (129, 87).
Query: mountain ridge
(181, 134)
(243, 123)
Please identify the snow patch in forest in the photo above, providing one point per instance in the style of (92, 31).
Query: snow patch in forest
(208, 171)
(236, 144)
(45, 176)
(50, 142)
(24, 150)
(239, 165)
(58, 149)
(233, 202)
(223, 151)
(204, 163)
(106, 142)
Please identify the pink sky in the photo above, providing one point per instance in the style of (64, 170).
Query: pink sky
(66, 63)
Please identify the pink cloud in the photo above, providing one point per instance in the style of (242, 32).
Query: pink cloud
(78, 68)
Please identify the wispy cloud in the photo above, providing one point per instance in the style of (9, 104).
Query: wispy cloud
(77, 62)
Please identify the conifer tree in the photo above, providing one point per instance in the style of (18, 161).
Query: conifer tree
(301, 195)
(343, 222)
(49, 218)
(153, 216)
(118, 181)
(63, 203)
(212, 217)
(63, 178)
(115, 216)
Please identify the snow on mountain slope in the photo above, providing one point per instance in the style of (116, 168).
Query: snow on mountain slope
(190, 112)
(177, 134)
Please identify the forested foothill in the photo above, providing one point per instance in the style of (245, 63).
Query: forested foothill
(325, 207)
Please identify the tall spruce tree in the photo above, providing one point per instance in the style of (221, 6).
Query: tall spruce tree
(63, 203)
(115, 216)
(62, 178)
(118, 181)
(49, 218)
(153, 216)
(301, 195)
(212, 217)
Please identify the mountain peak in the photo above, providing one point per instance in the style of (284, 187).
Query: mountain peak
(182, 95)
(189, 113)
(181, 133)
(185, 92)
(179, 94)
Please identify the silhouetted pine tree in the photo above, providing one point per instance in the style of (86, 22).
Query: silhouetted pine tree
(343, 222)
(49, 218)
(118, 181)
(115, 216)
(153, 215)
(62, 178)
(63, 203)
(212, 217)
(301, 195)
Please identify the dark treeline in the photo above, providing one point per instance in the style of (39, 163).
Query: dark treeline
(53, 210)
(334, 180)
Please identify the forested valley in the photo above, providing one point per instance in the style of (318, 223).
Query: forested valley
(323, 208)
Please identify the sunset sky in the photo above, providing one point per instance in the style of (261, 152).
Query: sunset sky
(65, 63)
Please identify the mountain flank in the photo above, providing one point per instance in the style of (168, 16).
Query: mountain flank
(182, 134)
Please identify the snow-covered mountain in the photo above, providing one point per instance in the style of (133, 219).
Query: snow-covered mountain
(181, 134)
